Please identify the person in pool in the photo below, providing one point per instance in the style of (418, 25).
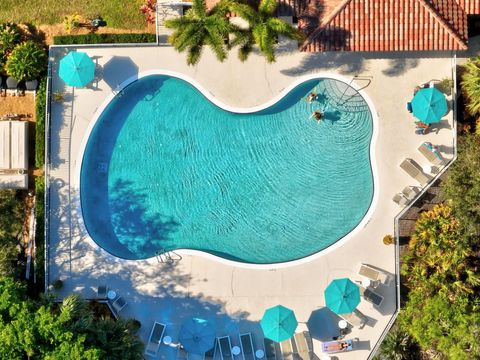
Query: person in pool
(312, 96)
(317, 115)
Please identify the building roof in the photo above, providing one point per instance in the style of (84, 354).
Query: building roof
(389, 25)
(470, 6)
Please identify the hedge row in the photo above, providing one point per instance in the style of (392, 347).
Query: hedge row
(39, 231)
(40, 123)
(104, 39)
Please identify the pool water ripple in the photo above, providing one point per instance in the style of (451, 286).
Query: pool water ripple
(164, 168)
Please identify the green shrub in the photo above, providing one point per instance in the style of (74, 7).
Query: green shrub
(39, 230)
(10, 36)
(40, 123)
(104, 39)
(27, 61)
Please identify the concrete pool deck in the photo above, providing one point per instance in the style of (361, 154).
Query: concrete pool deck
(237, 296)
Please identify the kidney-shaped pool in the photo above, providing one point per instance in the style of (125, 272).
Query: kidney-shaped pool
(164, 169)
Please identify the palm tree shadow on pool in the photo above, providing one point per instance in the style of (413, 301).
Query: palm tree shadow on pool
(128, 230)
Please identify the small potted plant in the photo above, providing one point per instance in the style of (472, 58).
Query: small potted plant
(58, 96)
(388, 240)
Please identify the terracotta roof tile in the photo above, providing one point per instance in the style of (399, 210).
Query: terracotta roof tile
(389, 25)
(471, 7)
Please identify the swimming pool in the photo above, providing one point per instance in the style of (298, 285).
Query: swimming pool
(165, 169)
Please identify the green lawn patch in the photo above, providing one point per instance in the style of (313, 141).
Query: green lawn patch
(117, 13)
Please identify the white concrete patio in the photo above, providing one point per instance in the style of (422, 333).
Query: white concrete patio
(234, 295)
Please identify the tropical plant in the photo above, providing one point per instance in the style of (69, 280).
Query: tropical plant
(451, 328)
(27, 61)
(462, 186)
(46, 330)
(264, 29)
(10, 36)
(397, 345)
(437, 259)
(471, 85)
(200, 27)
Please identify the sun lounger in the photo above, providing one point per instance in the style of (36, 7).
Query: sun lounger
(373, 297)
(287, 349)
(270, 351)
(210, 354)
(332, 347)
(246, 344)
(415, 171)
(119, 304)
(409, 192)
(102, 292)
(373, 274)
(356, 318)
(225, 346)
(302, 349)
(156, 336)
(431, 155)
(400, 200)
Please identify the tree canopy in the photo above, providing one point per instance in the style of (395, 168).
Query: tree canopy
(45, 330)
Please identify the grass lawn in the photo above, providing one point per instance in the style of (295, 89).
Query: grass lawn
(117, 13)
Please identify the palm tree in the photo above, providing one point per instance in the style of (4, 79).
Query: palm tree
(264, 29)
(200, 27)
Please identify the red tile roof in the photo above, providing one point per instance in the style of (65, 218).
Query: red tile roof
(470, 6)
(390, 25)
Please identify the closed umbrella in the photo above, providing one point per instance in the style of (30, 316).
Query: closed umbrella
(197, 335)
(278, 323)
(429, 105)
(342, 296)
(77, 69)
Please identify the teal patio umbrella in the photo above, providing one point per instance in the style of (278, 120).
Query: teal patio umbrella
(77, 69)
(429, 105)
(197, 335)
(342, 296)
(278, 323)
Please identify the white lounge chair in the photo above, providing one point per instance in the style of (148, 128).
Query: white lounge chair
(356, 318)
(210, 354)
(102, 292)
(332, 347)
(371, 296)
(225, 346)
(270, 349)
(287, 349)
(431, 155)
(400, 200)
(119, 304)
(373, 274)
(246, 344)
(410, 192)
(415, 171)
(302, 349)
(156, 336)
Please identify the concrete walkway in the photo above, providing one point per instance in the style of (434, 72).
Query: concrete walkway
(234, 296)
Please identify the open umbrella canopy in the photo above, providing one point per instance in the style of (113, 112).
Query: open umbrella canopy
(197, 335)
(278, 323)
(342, 296)
(429, 105)
(77, 69)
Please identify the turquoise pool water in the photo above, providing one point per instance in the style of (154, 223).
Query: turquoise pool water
(165, 169)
